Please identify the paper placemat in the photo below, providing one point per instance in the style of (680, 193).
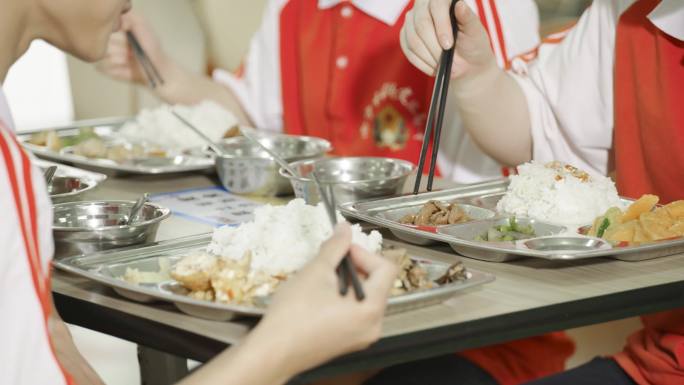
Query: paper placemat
(213, 206)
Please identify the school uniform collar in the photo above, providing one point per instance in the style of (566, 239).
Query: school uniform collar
(668, 16)
(387, 11)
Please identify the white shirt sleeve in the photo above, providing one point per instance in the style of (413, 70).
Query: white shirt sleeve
(258, 89)
(569, 91)
(27, 356)
(459, 158)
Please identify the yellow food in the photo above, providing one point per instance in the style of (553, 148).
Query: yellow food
(644, 204)
(614, 215)
(642, 222)
(656, 226)
(675, 209)
(621, 233)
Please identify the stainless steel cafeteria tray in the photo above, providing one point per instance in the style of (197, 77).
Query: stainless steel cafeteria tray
(107, 268)
(88, 180)
(107, 129)
(551, 242)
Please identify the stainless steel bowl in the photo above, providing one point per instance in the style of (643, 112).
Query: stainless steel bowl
(70, 183)
(246, 169)
(88, 227)
(352, 178)
(65, 188)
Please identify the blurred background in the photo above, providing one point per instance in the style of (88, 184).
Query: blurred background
(46, 88)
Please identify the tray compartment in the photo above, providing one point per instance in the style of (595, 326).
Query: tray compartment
(558, 244)
(464, 238)
(395, 215)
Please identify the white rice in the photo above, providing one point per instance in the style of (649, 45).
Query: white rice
(559, 194)
(161, 129)
(282, 239)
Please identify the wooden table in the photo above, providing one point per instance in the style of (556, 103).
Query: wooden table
(529, 297)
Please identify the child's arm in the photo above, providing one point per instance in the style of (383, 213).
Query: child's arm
(492, 105)
(181, 86)
(66, 352)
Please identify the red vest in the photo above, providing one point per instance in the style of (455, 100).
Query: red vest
(649, 151)
(345, 79)
(649, 107)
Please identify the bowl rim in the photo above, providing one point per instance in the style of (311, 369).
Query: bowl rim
(166, 212)
(324, 146)
(406, 165)
(90, 183)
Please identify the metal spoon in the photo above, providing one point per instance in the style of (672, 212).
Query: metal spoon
(135, 210)
(249, 134)
(49, 174)
(213, 145)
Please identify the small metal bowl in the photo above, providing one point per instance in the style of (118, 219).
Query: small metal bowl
(246, 169)
(352, 178)
(70, 183)
(88, 227)
(64, 188)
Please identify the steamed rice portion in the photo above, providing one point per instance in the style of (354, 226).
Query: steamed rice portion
(558, 193)
(161, 129)
(282, 239)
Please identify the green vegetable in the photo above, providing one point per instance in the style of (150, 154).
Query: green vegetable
(507, 232)
(83, 135)
(603, 227)
(516, 227)
(513, 224)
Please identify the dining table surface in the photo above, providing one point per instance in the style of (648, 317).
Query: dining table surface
(528, 297)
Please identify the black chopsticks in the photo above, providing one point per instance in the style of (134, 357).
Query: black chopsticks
(433, 130)
(345, 271)
(153, 76)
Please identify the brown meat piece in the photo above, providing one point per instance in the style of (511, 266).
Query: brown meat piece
(440, 206)
(417, 276)
(457, 215)
(440, 218)
(435, 213)
(408, 219)
(423, 216)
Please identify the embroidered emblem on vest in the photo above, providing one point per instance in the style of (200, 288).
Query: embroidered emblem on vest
(384, 118)
(389, 129)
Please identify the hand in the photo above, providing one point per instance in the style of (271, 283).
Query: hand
(427, 32)
(120, 62)
(311, 323)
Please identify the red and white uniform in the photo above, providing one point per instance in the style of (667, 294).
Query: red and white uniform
(615, 85)
(335, 69)
(27, 356)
